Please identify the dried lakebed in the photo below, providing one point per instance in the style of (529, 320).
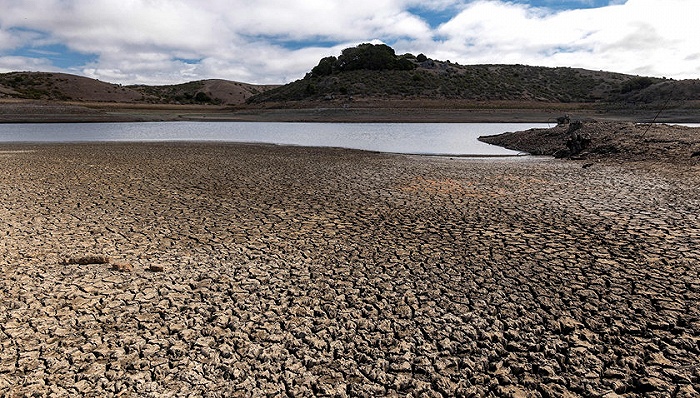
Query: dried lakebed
(251, 270)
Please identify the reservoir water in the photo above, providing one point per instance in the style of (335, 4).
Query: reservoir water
(409, 138)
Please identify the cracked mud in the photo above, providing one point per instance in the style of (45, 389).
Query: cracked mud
(245, 270)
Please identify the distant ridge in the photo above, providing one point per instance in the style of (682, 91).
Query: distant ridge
(64, 87)
(372, 73)
(430, 79)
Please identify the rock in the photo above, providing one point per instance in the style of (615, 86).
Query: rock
(576, 143)
(563, 120)
(156, 268)
(687, 391)
(574, 126)
(568, 325)
(122, 267)
(512, 391)
(612, 394)
(652, 384)
(87, 259)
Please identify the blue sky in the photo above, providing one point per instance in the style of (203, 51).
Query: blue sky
(277, 41)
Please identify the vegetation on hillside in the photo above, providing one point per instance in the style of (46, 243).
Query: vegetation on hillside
(364, 57)
(186, 93)
(376, 71)
(37, 86)
(65, 87)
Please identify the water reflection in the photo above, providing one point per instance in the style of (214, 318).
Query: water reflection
(410, 138)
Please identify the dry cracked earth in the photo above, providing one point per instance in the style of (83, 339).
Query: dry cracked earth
(291, 271)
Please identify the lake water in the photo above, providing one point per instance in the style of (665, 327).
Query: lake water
(409, 138)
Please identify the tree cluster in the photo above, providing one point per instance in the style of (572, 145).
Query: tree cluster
(364, 57)
(637, 83)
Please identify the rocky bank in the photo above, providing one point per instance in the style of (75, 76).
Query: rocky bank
(621, 141)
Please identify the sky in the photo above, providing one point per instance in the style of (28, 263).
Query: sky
(278, 41)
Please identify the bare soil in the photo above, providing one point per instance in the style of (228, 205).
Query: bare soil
(260, 270)
(413, 111)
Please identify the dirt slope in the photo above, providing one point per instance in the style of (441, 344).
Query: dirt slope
(66, 87)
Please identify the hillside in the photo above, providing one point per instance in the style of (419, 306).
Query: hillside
(63, 87)
(213, 91)
(365, 83)
(433, 80)
(66, 87)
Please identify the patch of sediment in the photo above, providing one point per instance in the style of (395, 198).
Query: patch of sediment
(329, 272)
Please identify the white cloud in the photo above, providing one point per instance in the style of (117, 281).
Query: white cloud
(21, 64)
(641, 36)
(151, 41)
(336, 20)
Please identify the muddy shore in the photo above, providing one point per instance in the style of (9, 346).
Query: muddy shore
(252, 270)
(593, 140)
(23, 111)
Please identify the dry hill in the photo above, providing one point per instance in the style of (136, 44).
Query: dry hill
(372, 81)
(376, 72)
(213, 91)
(66, 87)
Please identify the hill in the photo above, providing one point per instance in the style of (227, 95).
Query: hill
(66, 87)
(372, 73)
(63, 87)
(213, 91)
(364, 83)
(430, 79)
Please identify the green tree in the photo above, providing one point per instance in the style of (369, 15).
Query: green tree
(202, 97)
(637, 83)
(364, 57)
(325, 67)
(367, 56)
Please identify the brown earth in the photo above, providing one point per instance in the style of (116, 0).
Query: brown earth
(57, 88)
(249, 270)
(413, 111)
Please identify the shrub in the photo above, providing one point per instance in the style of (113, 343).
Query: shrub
(637, 83)
(202, 97)
(325, 67)
(363, 57)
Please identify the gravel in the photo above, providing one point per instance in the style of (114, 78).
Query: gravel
(255, 270)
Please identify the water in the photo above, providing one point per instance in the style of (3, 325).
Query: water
(409, 138)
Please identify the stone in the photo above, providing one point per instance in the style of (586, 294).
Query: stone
(87, 259)
(122, 267)
(156, 268)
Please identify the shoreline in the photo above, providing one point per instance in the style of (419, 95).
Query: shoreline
(381, 112)
(245, 269)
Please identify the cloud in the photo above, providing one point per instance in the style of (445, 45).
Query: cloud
(274, 41)
(619, 38)
(146, 38)
(12, 63)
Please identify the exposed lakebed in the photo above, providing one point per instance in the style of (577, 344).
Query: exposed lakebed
(261, 270)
